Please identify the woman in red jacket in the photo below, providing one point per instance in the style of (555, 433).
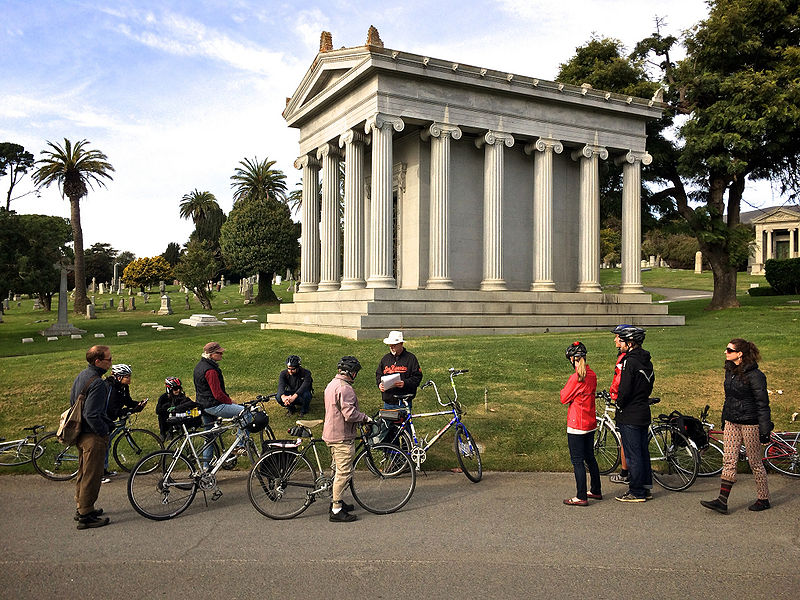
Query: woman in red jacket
(579, 394)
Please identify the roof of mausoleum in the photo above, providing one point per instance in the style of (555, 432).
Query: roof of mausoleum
(771, 214)
(333, 72)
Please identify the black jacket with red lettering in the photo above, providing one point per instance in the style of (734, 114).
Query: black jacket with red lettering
(407, 366)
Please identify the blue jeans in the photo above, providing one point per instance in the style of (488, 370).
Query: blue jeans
(637, 453)
(581, 453)
(111, 438)
(303, 400)
(225, 411)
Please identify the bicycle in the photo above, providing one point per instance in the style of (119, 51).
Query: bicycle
(780, 454)
(60, 463)
(405, 434)
(21, 451)
(284, 482)
(674, 458)
(164, 483)
(219, 444)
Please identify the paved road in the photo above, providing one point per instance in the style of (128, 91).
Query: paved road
(675, 294)
(507, 536)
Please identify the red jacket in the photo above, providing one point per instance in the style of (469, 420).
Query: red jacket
(613, 390)
(580, 397)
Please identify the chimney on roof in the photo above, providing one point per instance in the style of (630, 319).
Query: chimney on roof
(374, 38)
(325, 42)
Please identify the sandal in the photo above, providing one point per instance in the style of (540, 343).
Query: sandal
(576, 502)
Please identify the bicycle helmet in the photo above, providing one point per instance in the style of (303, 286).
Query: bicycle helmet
(121, 370)
(576, 350)
(349, 365)
(173, 383)
(619, 328)
(633, 335)
(293, 361)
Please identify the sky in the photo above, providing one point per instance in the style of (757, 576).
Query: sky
(176, 93)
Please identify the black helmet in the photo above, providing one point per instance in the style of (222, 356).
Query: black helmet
(633, 335)
(619, 328)
(293, 361)
(349, 364)
(576, 350)
(172, 384)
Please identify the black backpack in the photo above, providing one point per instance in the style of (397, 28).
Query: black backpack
(691, 427)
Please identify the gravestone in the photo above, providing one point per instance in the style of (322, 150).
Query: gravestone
(278, 279)
(90, 311)
(102, 289)
(146, 297)
(698, 262)
(105, 305)
(187, 306)
(162, 287)
(111, 303)
(131, 303)
(6, 303)
(93, 302)
(93, 287)
(37, 305)
(248, 294)
(121, 307)
(115, 280)
(652, 261)
(166, 306)
(201, 320)
(62, 326)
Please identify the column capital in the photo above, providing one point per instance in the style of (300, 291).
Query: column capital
(441, 130)
(544, 144)
(588, 151)
(351, 136)
(380, 121)
(495, 137)
(631, 157)
(327, 149)
(307, 160)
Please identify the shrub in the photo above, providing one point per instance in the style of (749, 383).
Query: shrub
(783, 275)
(762, 291)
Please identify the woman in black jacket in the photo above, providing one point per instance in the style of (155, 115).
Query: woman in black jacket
(746, 420)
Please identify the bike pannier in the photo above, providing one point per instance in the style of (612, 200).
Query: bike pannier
(691, 427)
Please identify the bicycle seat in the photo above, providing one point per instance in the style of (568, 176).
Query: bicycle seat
(311, 423)
(652, 401)
(34, 428)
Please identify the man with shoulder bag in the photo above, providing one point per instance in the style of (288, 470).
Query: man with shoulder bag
(92, 442)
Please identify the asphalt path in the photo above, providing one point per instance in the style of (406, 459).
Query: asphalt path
(676, 295)
(507, 536)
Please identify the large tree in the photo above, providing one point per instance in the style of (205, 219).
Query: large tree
(146, 271)
(14, 162)
(257, 180)
(100, 259)
(173, 253)
(204, 211)
(74, 168)
(260, 237)
(46, 240)
(196, 268)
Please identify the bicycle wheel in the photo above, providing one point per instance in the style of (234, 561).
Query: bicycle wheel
(54, 460)
(198, 442)
(16, 453)
(383, 478)
(606, 447)
(280, 484)
(673, 459)
(161, 485)
(783, 457)
(132, 444)
(469, 457)
(710, 460)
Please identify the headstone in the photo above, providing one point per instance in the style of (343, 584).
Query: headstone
(131, 303)
(249, 320)
(75, 336)
(162, 287)
(93, 287)
(102, 288)
(162, 328)
(278, 280)
(652, 262)
(187, 306)
(99, 335)
(52, 338)
(166, 306)
(62, 326)
(27, 340)
(111, 303)
(122, 333)
(121, 307)
(93, 300)
(5, 303)
(248, 294)
(146, 297)
(202, 320)
(90, 311)
(115, 281)
(149, 324)
(698, 262)
(130, 291)
(105, 305)
(222, 281)
(17, 297)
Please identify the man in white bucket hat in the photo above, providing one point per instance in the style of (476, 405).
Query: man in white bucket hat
(398, 373)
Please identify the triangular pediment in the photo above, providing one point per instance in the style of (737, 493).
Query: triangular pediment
(779, 215)
(326, 80)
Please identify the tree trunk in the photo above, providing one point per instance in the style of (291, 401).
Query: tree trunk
(202, 297)
(724, 280)
(80, 260)
(265, 292)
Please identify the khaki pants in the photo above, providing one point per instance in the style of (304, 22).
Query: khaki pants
(342, 454)
(91, 460)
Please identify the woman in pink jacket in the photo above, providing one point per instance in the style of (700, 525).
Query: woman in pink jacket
(579, 394)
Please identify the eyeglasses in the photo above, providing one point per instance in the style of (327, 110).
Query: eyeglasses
(730, 350)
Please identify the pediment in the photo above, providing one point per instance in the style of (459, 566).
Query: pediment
(326, 80)
(780, 215)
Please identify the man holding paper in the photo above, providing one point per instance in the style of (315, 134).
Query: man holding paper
(398, 373)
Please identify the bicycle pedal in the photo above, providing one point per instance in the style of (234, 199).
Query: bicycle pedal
(216, 495)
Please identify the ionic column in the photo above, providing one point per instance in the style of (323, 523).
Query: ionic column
(589, 218)
(631, 280)
(791, 243)
(381, 251)
(769, 244)
(493, 208)
(309, 223)
(353, 276)
(329, 267)
(543, 212)
(439, 232)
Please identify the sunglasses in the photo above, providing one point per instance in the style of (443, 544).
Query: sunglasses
(729, 350)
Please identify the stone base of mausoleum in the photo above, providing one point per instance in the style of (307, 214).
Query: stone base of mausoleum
(371, 313)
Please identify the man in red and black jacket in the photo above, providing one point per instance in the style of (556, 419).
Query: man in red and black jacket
(401, 362)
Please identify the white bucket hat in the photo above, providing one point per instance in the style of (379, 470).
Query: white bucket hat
(395, 337)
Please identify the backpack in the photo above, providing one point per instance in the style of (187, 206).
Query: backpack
(69, 426)
(691, 427)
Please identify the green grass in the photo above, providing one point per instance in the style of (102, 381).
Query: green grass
(520, 376)
(681, 279)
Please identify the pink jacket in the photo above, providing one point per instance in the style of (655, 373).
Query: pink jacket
(580, 397)
(341, 411)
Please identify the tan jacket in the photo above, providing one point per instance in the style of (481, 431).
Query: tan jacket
(341, 411)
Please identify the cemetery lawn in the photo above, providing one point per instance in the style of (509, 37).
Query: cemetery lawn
(511, 392)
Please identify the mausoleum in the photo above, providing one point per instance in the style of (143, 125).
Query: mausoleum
(471, 199)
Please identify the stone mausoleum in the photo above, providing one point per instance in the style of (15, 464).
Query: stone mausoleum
(471, 199)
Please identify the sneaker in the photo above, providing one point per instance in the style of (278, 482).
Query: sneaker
(91, 522)
(759, 505)
(715, 505)
(630, 498)
(341, 517)
(105, 480)
(617, 478)
(592, 496)
(648, 494)
(97, 512)
(109, 473)
(345, 506)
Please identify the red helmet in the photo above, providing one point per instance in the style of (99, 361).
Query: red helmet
(173, 383)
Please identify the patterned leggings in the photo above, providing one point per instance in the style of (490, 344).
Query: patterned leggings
(735, 435)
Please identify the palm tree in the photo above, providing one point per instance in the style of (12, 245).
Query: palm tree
(257, 180)
(74, 168)
(198, 206)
